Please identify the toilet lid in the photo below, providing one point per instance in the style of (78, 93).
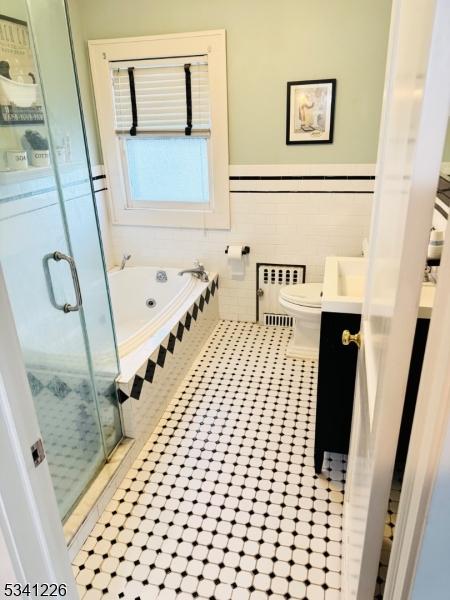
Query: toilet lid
(303, 294)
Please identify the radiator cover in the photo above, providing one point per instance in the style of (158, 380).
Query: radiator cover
(270, 277)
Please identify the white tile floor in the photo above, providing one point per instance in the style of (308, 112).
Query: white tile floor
(223, 501)
(389, 530)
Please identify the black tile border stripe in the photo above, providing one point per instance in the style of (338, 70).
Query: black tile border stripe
(324, 178)
(173, 340)
(301, 192)
(300, 177)
(286, 177)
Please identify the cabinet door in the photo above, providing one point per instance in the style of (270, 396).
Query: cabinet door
(336, 383)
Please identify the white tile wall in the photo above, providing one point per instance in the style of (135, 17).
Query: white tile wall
(102, 197)
(285, 221)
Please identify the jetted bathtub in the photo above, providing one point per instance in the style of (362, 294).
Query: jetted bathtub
(145, 304)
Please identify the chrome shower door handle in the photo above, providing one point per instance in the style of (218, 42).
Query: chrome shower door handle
(57, 256)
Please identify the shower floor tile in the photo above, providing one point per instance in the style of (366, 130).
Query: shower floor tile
(223, 501)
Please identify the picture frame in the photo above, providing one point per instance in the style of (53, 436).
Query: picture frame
(20, 97)
(310, 111)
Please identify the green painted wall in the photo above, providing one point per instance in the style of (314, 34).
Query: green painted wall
(268, 44)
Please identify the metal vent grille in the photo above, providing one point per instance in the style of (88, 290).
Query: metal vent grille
(279, 320)
(270, 278)
(282, 275)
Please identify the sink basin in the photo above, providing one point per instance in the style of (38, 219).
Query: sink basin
(343, 287)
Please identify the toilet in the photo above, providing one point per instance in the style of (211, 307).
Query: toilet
(303, 301)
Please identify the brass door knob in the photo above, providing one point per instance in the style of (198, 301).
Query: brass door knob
(348, 338)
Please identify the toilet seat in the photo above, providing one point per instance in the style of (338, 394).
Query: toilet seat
(303, 294)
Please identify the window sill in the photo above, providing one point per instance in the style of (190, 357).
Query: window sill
(189, 219)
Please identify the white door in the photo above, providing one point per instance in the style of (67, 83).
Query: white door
(32, 546)
(414, 122)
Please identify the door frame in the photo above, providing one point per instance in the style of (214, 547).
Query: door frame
(29, 517)
(432, 414)
(430, 429)
(425, 93)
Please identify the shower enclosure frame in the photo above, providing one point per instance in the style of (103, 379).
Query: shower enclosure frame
(76, 371)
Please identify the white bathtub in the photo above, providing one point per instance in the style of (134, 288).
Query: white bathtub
(137, 323)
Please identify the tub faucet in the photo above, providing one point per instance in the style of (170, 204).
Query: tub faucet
(125, 259)
(197, 271)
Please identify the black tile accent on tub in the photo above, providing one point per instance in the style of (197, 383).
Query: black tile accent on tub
(121, 396)
(201, 303)
(161, 356)
(137, 387)
(195, 312)
(150, 371)
(180, 331)
(171, 344)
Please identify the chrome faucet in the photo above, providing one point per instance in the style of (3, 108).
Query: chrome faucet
(197, 271)
(125, 259)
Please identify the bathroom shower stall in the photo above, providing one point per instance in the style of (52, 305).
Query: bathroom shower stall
(50, 248)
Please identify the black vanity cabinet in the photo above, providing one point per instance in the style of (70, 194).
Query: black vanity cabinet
(336, 386)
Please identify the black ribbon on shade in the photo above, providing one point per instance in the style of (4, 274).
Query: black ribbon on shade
(133, 100)
(187, 77)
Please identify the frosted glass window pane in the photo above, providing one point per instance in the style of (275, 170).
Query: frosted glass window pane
(168, 169)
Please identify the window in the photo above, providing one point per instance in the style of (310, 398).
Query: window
(167, 170)
(162, 109)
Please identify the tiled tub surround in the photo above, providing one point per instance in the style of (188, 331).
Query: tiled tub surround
(315, 211)
(223, 501)
(151, 373)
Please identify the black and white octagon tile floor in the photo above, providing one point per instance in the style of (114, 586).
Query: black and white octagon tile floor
(223, 501)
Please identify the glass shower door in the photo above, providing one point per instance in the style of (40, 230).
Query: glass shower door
(49, 25)
(46, 206)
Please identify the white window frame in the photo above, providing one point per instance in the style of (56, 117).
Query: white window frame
(173, 205)
(215, 215)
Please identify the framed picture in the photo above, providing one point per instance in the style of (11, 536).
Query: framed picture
(20, 98)
(310, 111)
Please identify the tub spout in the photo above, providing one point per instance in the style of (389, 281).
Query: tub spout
(197, 271)
(125, 259)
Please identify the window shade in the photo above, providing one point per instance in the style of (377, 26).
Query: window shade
(160, 88)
